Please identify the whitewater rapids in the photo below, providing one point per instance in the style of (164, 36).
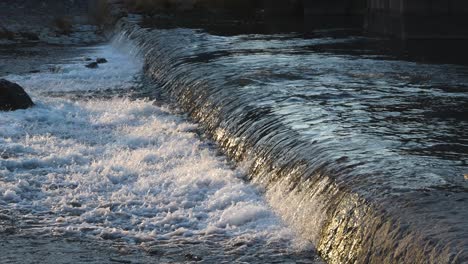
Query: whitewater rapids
(88, 161)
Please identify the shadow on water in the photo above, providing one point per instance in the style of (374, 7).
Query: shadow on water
(451, 51)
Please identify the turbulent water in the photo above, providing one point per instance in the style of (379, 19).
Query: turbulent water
(97, 160)
(364, 154)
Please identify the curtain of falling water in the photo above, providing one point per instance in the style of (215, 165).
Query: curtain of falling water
(326, 197)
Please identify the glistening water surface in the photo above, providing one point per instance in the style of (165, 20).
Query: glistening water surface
(364, 153)
(88, 168)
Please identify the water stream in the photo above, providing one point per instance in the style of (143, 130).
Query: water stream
(325, 146)
(97, 164)
(365, 155)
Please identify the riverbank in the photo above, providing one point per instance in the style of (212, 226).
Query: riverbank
(52, 22)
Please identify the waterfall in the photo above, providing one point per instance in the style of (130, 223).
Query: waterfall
(351, 214)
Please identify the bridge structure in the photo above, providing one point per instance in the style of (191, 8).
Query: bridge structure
(405, 19)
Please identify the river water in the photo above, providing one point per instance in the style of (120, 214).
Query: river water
(362, 151)
(358, 154)
(97, 172)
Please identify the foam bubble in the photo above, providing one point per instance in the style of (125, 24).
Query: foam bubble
(121, 169)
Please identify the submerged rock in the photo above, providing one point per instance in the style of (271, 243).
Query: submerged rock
(6, 34)
(55, 69)
(92, 65)
(13, 97)
(101, 60)
(29, 36)
(192, 257)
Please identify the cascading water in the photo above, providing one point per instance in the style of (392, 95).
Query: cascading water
(363, 155)
(97, 166)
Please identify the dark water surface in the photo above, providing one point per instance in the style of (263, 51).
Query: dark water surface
(363, 151)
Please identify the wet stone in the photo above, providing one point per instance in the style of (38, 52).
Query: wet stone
(191, 257)
(120, 260)
(52, 187)
(29, 36)
(75, 204)
(154, 251)
(101, 60)
(92, 65)
(13, 97)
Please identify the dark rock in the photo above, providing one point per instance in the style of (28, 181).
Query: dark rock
(29, 36)
(75, 204)
(64, 25)
(88, 59)
(5, 34)
(101, 60)
(154, 251)
(191, 257)
(92, 65)
(120, 260)
(13, 97)
(52, 187)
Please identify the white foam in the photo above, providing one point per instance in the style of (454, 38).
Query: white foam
(117, 168)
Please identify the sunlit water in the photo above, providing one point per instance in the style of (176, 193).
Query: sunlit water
(364, 153)
(89, 162)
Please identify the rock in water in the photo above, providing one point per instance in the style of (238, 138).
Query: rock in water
(92, 65)
(101, 60)
(13, 97)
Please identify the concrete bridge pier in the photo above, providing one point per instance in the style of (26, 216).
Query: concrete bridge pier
(335, 13)
(283, 8)
(404, 19)
(418, 19)
(319, 13)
